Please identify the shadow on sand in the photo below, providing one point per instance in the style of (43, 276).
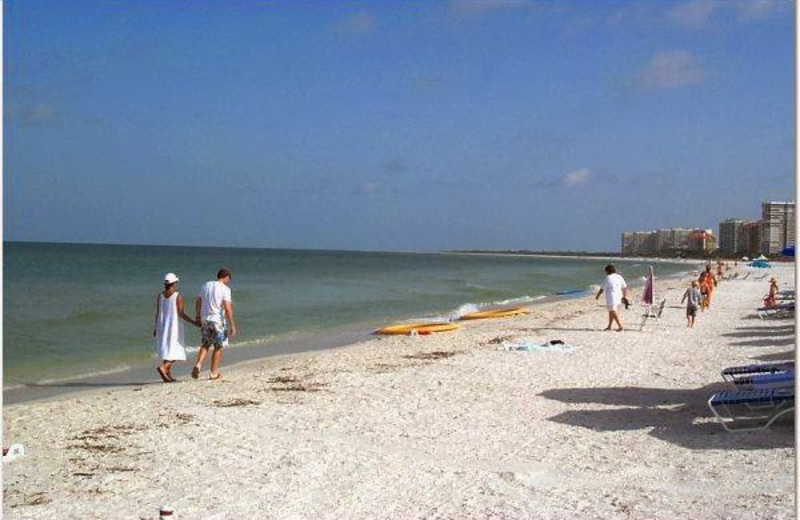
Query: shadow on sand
(778, 356)
(760, 333)
(763, 343)
(670, 415)
(771, 335)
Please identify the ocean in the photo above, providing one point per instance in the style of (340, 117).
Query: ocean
(77, 310)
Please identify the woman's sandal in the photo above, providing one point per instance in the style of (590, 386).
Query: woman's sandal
(195, 372)
(216, 377)
(164, 376)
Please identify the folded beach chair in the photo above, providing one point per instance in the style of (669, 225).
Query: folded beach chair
(730, 373)
(748, 410)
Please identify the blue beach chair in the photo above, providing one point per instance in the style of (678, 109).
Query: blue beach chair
(749, 410)
(762, 381)
(730, 373)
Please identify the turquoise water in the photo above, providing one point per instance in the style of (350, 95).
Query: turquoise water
(72, 310)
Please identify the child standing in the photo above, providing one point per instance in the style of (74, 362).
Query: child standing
(692, 297)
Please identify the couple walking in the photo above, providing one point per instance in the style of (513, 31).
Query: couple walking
(213, 314)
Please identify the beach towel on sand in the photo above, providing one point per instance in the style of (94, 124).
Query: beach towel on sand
(529, 345)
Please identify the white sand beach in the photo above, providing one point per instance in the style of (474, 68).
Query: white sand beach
(441, 426)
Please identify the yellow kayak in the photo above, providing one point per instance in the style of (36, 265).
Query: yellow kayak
(420, 328)
(496, 313)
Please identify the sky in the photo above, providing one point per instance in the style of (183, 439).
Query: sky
(458, 124)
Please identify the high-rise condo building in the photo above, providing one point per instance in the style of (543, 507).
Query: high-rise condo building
(729, 236)
(778, 226)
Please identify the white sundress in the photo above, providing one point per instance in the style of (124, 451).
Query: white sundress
(169, 330)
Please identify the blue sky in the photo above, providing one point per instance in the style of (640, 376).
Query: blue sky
(506, 124)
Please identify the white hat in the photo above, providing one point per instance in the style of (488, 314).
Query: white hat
(170, 278)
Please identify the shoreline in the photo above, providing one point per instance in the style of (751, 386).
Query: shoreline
(442, 426)
(143, 373)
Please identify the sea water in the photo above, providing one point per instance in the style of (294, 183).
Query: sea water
(71, 310)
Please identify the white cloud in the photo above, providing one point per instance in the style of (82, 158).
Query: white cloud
(695, 13)
(370, 188)
(429, 82)
(32, 113)
(576, 178)
(358, 23)
(671, 69)
(475, 8)
(753, 10)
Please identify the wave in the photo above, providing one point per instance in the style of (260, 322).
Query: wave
(59, 380)
(469, 308)
(252, 342)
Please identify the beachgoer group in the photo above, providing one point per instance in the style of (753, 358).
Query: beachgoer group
(213, 314)
(616, 291)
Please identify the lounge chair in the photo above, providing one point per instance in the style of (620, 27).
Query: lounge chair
(653, 310)
(749, 410)
(762, 381)
(782, 310)
(730, 373)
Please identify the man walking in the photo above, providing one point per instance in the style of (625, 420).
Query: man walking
(214, 309)
(616, 293)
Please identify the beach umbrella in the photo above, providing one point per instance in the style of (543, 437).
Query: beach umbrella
(762, 257)
(745, 259)
(788, 251)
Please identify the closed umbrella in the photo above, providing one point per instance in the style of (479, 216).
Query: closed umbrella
(647, 297)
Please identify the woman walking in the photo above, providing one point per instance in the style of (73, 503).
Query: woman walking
(707, 281)
(168, 331)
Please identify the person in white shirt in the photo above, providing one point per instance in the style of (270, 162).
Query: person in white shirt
(214, 309)
(616, 293)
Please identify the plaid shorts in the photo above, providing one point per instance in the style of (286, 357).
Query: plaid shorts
(213, 335)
